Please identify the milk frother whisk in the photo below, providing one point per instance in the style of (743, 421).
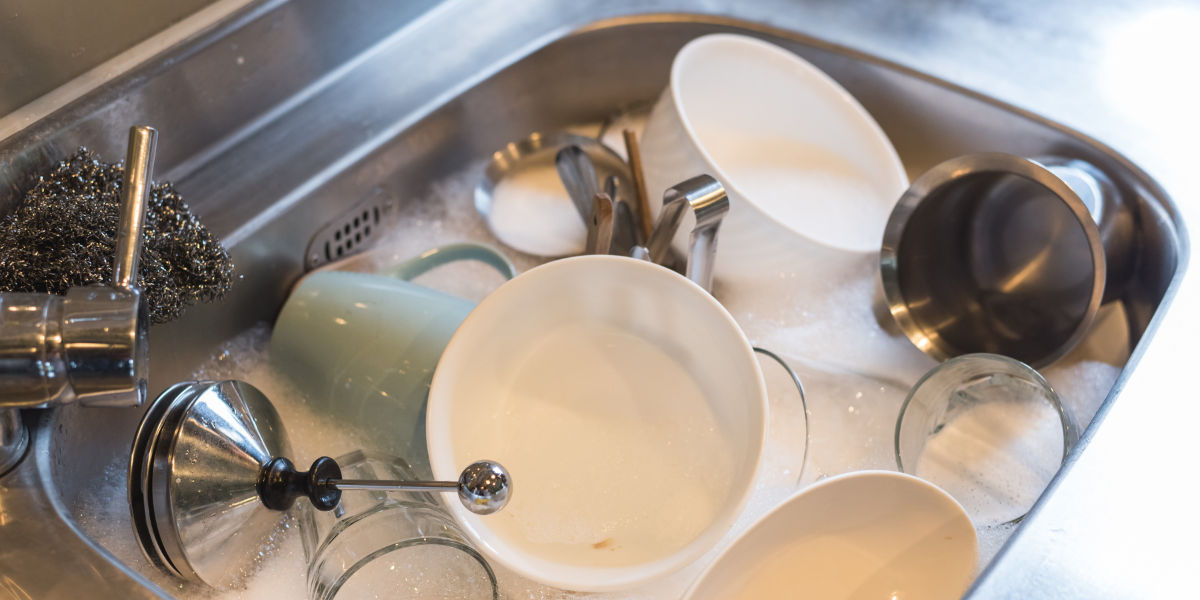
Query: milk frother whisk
(208, 477)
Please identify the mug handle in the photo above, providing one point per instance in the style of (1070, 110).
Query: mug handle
(449, 253)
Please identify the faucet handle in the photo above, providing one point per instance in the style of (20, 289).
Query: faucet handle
(105, 329)
(92, 345)
(135, 199)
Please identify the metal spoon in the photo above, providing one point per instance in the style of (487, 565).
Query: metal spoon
(578, 175)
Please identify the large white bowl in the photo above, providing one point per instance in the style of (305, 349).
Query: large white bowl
(864, 535)
(754, 115)
(645, 300)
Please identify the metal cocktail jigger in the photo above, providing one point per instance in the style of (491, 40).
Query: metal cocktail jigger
(208, 478)
(1006, 255)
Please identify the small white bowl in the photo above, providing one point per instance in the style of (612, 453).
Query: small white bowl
(484, 374)
(810, 175)
(868, 534)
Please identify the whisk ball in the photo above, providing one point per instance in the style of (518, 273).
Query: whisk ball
(484, 487)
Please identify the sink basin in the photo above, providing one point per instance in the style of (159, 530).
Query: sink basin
(287, 114)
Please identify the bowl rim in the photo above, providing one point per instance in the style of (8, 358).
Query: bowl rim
(773, 515)
(833, 89)
(576, 577)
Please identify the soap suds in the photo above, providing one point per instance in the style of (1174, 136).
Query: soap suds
(856, 375)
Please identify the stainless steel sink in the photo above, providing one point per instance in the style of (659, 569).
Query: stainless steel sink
(288, 113)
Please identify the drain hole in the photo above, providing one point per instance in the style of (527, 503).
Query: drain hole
(376, 215)
(337, 236)
(367, 230)
(356, 222)
(358, 237)
(365, 215)
(349, 244)
(347, 229)
(339, 251)
(328, 256)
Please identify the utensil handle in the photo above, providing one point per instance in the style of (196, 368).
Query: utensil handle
(600, 225)
(640, 197)
(708, 200)
(578, 175)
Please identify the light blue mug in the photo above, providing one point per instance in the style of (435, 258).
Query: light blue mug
(363, 347)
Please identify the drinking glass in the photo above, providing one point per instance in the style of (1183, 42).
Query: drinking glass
(989, 431)
(389, 544)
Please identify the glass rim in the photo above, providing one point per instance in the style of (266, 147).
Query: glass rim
(1070, 429)
(331, 592)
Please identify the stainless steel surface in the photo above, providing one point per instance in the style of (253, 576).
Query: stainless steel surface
(105, 334)
(137, 484)
(255, 149)
(44, 554)
(992, 253)
(352, 231)
(33, 367)
(135, 198)
(14, 439)
(593, 157)
(46, 44)
(599, 225)
(483, 488)
(709, 203)
(626, 231)
(579, 177)
(105, 330)
(1111, 213)
(381, 485)
(197, 461)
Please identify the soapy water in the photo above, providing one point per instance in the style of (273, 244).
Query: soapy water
(855, 373)
(616, 405)
(531, 211)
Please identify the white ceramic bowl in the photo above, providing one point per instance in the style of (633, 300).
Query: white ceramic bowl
(810, 175)
(867, 534)
(484, 375)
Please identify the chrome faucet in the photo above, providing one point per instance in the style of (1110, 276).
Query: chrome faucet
(89, 346)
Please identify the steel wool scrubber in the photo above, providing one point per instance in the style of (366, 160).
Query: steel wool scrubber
(64, 232)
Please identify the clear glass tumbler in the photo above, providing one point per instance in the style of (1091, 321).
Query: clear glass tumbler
(989, 431)
(389, 544)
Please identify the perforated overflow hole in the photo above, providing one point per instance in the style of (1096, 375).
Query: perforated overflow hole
(353, 232)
